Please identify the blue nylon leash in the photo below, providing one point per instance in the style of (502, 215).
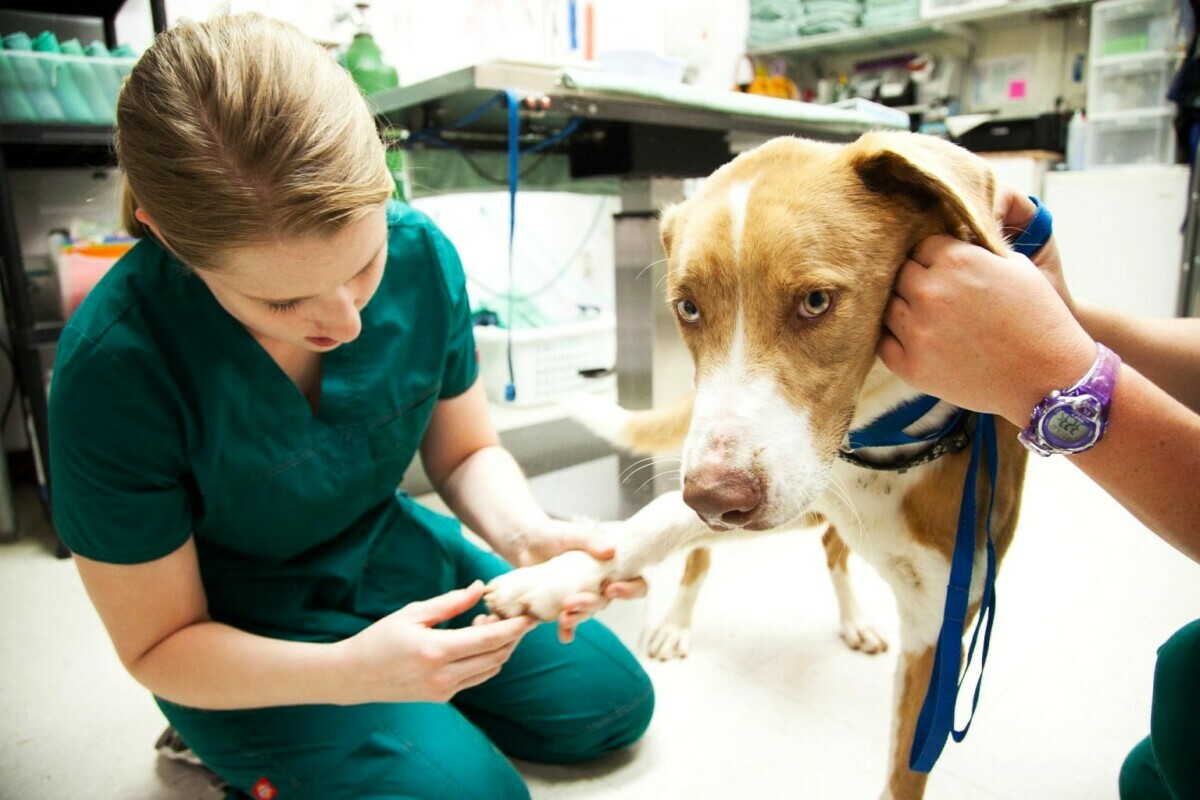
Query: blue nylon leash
(935, 722)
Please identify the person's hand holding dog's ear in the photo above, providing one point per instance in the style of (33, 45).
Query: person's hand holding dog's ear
(1015, 211)
(981, 331)
(556, 536)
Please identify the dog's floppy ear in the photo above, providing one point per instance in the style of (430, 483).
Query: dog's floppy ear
(934, 176)
(666, 226)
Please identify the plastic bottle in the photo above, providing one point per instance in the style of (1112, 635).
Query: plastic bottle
(32, 79)
(62, 80)
(365, 61)
(14, 105)
(88, 82)
(1077, 137)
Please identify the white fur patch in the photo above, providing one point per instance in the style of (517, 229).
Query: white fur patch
(739, 198)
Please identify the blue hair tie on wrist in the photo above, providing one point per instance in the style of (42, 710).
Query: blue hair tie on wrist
(1036, 233)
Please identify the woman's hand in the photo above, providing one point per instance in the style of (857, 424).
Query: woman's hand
(982, 331)
(549, 538)
(1015, 211)
(403, 658)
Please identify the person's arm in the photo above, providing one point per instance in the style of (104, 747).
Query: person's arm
(483, 485)
(1167, 351)
(988, 333)
(156, 615)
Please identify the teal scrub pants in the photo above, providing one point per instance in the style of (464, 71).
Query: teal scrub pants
(551, 703)
(1166, 764)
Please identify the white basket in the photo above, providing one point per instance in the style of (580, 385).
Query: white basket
(550, 362)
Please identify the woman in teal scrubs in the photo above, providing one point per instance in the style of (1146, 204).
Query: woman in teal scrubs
(232, 410)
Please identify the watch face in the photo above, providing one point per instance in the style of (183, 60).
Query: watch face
(1063, 427)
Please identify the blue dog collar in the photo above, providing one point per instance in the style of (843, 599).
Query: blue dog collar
(1036, 233)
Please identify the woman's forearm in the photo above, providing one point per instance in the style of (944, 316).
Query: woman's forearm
(1147, 460)
(210, 665)
(490, 495)
(1166, 351)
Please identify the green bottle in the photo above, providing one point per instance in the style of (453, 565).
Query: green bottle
(32, 79)
(14, 105)
(62, 80)
(88, 82)
(365, 62)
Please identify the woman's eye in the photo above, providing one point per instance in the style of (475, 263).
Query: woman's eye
(814, 304)
(283, 308)
(687, 310)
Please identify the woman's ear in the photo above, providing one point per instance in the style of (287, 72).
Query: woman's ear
(141, 216)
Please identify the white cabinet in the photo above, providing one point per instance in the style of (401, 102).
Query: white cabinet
(1120, 235)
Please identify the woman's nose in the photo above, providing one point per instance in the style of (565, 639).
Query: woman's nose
(340, 318)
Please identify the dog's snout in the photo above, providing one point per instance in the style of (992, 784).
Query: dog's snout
(724, 496)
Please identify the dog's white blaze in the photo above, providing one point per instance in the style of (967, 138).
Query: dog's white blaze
(745, 423)
(739, 197)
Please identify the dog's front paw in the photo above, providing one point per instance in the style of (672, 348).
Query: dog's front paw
(668, 641)
(859, 635)
(539, 591)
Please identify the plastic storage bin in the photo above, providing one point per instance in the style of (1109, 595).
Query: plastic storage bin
(80, 267)
(1124, 27)
(549, 362)
(1130, 84)
(1125, 138)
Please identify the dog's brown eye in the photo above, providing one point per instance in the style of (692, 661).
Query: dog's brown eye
(814, 304)
(687, 310)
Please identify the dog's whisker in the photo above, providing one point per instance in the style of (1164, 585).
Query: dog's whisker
(641, 462)
(652, 478)
(645, 463)
(649, 266)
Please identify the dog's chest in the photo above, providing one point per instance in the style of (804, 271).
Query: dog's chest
(867, 507)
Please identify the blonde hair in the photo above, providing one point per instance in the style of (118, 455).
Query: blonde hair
(240, 131)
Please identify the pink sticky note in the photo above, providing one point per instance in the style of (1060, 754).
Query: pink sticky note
(1016, 90)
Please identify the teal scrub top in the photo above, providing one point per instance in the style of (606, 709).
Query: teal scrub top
(168, 420)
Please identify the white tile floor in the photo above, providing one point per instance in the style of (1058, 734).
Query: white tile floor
(769, 705)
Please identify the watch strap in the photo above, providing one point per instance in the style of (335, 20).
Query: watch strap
(1101, 379)
(1097, 384)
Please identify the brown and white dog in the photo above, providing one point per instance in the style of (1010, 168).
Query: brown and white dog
(780, 269)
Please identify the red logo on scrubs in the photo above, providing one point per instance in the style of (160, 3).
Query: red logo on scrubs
(264, 790)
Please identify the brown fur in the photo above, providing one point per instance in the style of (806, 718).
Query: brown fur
(697, 565)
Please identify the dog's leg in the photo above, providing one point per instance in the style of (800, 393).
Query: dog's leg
(913, 669)
(670, 638)
(662, 527)
(855, 630)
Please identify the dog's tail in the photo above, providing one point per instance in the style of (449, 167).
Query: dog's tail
(649, 432)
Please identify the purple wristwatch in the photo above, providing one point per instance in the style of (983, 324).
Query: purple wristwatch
(1073, 420)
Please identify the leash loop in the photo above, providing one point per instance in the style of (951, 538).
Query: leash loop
(935, 723)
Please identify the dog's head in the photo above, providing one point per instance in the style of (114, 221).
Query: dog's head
(779, 273)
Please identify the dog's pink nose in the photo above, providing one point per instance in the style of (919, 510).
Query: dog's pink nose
(725, 495)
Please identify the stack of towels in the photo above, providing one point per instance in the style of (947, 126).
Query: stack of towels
(773, 21)
(878, 13)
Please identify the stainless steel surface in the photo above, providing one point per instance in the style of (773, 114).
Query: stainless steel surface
(454, 95)
(653, 365)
